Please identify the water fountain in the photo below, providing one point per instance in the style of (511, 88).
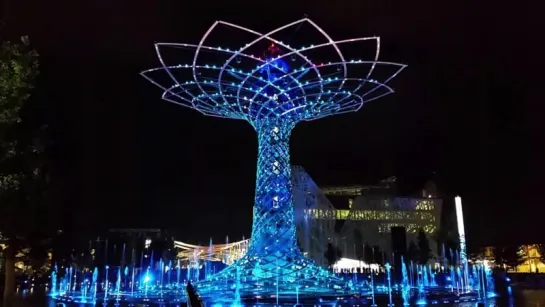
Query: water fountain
(118, 284)
(162, 274)
(54, 281)
(490, 288)
(421, 299)
(106, 281)
(425, 278)
(83, 289)
(178, 273)
(209, 261)
(75, 280)
(94, 282)
(388, 278)
(273, 96)
(62, 288)
(373, 288)
(405, 286)
(168, 271)
(433, 282)
(459, 280)
(452, 278)
(237, 301)
(69, 278)
(96, 289)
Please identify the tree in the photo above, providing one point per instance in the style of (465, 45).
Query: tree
(509, 256)
(448, 239)
(23, 171)
(498, 256)
(541, 251)
(35, 255)
(514, 256)
(413, 253)
(424, 247)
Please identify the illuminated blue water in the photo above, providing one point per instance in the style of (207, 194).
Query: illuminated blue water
(158, 283)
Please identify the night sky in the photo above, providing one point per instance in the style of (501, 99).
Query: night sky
(468, 107)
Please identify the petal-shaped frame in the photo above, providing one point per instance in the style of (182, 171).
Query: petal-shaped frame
(244, 100)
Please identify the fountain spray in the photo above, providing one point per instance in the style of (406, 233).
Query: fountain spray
(405, 287)
(388, 278)
(106, 283)
(54, 281)
(94, 283)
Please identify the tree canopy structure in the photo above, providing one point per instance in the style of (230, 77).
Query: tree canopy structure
(273, 86)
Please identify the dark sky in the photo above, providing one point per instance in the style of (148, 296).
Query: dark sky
(468, 107)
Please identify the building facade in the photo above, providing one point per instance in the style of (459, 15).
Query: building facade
(371, 219)
(529, 255)
(367, 216)
(227, 253)
(313, 233)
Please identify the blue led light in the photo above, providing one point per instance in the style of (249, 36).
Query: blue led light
(273, 93)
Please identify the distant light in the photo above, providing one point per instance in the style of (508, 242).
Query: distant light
(459, 216)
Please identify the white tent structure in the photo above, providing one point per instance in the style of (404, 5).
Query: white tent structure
(346, 264)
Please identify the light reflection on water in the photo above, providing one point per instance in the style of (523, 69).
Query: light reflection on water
(519, 298)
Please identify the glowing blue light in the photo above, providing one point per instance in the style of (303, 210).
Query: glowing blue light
(421, 302)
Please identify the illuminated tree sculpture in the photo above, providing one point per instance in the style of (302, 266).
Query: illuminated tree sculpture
(273, 92)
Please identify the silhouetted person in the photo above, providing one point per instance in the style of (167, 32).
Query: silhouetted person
(193, 300)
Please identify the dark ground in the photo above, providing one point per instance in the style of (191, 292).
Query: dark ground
(520, 298)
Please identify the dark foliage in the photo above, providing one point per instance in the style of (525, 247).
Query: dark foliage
(423, 247)
(368, 254)
(413, 253)
(378, 255)
(509, 256)
(541, 251)
(358, 244)
(24, 167)
(332, 254)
